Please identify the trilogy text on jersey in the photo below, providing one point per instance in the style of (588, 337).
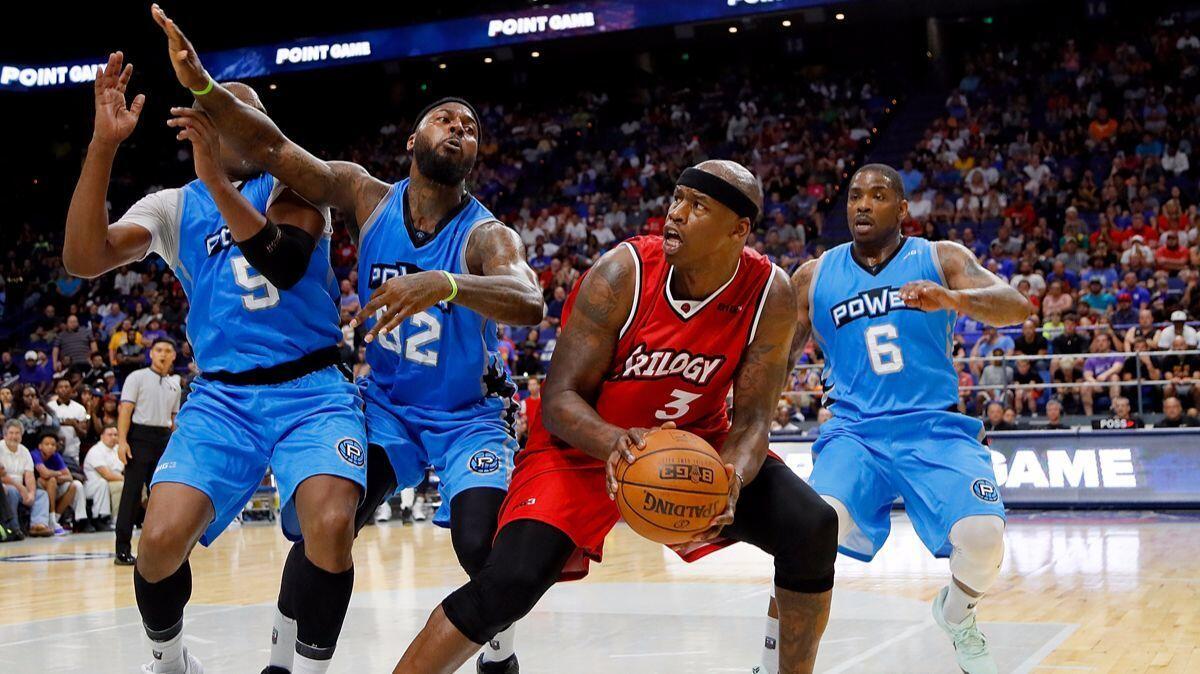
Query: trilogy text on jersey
(695, 368)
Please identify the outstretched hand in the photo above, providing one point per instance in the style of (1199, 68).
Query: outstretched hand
(114, 120)
(195, 126)
(188, 69)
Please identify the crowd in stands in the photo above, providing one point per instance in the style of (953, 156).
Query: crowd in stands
(1065, 166)
(573, 179)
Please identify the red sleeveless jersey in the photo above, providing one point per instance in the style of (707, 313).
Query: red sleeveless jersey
(675, 359)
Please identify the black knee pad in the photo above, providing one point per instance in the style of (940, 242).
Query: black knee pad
(381, 484)
(807, 549)
(525, 561)
(492, 601)
(473, 515)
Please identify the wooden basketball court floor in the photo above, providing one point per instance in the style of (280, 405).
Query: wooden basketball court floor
(1091, 592)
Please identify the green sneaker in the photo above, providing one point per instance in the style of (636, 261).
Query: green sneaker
(970, 646)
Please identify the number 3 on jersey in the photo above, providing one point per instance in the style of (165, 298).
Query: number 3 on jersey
(416, 347)
(884, 352)
(681, 402)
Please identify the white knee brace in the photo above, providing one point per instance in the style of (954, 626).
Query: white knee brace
(978, 543)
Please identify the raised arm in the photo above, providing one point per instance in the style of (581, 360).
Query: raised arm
(970, 290)
(91, 246)
(343, 185)
(278, 244)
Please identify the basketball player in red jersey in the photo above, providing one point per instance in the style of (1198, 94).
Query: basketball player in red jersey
(657, 332)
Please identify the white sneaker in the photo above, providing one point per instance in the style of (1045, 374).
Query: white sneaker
(970, 646)
(190, 665)
(383, 513)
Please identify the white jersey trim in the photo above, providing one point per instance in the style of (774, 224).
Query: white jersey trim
(637, 288)
(677, 305)
(375, 212)
(762, 302)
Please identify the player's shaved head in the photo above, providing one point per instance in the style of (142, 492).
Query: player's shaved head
(246, 94)
(737, 175)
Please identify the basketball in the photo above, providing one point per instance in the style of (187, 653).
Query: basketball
(674, 489)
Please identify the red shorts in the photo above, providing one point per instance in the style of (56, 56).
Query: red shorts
(566, 489)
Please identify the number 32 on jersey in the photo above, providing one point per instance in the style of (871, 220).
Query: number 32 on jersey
(418, 347)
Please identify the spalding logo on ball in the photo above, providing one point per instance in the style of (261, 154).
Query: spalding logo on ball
(674, 488)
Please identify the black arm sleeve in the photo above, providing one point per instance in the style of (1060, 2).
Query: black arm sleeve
(279, 252)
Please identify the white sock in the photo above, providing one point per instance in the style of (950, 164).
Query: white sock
(305, 665)
(53, 520)
(501, 647)
(770, 652)
(283, 641)
(169, 656)
(958, 604)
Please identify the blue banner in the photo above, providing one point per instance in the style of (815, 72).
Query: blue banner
(428, 39)
(1065, 469)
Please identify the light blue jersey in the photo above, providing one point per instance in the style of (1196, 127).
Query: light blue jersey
(230, 434)
(881, 357)
(439, 393)
(891, 385)
(445, 357)
(238, 321)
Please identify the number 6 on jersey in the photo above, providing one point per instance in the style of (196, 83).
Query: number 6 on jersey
(885, 355)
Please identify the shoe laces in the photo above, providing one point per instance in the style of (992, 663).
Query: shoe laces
(969, 639)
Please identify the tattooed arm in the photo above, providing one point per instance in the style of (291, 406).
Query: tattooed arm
(970, 289)
(343, 185)
(581, 358)
(756, 387)
(499, 285)
(801, 281)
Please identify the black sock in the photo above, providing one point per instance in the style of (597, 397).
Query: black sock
(161, 603)
(288, 585)
(320, 607)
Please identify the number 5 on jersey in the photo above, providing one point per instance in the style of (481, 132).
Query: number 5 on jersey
(885, 353)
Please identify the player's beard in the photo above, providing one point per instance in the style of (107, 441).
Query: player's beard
(443, 169)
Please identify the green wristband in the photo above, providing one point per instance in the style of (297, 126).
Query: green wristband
(453, 286)
(203, 91)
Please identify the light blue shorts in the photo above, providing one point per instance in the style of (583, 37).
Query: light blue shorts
(230, 434)
(468, 448)
(933, 460)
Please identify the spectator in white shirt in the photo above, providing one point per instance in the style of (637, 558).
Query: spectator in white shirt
(16, 473)
(71, 415)
(1178, 326)
(919, 207)
(126, 280)
(105, 477)
(1175, 160)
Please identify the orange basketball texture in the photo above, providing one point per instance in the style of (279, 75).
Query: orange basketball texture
(674, 489)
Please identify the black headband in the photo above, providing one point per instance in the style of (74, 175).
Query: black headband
(449, 99)
(717, 188)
